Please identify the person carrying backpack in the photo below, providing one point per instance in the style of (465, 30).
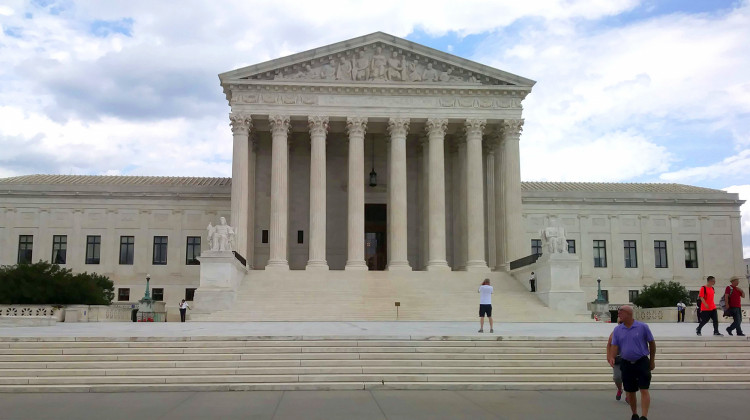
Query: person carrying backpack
(732, 297)
(708, 306)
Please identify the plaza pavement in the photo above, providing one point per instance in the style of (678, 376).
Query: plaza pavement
(365, 405)
(345, 329)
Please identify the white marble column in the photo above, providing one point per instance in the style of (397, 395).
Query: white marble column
(500, 260)
(436, 128)
(397, 255)
(318, 129)
(475, 193)
(241, 125)
(490, 177)
(356, 127)
(279, 193)
(516, 245)
(252, 153)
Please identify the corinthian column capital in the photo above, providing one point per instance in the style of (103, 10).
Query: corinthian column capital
(318, 125)
(475, 127)
(356, 125)
(436, 125)
(240, 122)
(512, 127)
(398, 126)
(279, 124)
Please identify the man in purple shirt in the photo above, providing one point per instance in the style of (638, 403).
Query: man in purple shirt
(637, 347)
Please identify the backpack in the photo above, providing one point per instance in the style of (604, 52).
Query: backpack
(724, 304)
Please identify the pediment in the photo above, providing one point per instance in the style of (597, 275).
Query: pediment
(377, 58)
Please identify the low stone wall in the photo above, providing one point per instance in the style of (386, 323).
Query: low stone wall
(669, 314)
(29, 315)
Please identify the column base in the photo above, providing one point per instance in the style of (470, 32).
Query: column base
(279, 265)
(398, 266)
(317, 265)
(439, 265)
(356, 266)
(477, 267)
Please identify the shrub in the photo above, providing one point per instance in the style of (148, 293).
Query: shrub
(43, 283)
(661, 294)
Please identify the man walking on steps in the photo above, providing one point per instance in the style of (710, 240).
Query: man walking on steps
(708, 306)
(732, 296)
(635, 343)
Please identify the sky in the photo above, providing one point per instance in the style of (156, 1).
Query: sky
(627, 90)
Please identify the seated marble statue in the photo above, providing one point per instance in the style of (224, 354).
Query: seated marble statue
(221, 236)
(429, 74)
(553, 240)
(395, 67)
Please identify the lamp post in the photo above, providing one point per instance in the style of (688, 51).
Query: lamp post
(148, 291)
(599, 295)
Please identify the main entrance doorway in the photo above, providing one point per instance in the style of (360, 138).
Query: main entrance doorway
(376, 228)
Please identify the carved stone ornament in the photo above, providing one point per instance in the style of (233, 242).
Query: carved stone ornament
(379, 63)
(398, 127)
(318, 125)
(356, 126)
(512, 127)
(475, 128)
(241, 123)
(279, 124)
(436, 125)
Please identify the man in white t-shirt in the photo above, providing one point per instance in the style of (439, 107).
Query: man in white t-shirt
(485, 304)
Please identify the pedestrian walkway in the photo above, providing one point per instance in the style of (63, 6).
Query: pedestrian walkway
(366, 405)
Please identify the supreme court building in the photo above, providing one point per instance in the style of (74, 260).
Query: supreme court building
(373, 178)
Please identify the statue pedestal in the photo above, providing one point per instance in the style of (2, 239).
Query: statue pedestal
(558, 282)
(221, 275)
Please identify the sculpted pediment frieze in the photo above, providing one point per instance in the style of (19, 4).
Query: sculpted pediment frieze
(378, 63)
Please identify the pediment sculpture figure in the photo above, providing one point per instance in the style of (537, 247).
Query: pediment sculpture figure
(328, 71)
(413, 72)
(429, 74)
(378, 65)
(221, 236)
(395, 67)
(553, 240)
(344, 70)
(361, 67)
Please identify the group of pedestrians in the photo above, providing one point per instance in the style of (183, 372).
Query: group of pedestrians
(708, 310)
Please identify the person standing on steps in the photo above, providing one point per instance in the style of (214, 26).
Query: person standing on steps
(183, 310)
(733, 296)
(485, 304)
(634, 341)
(532, 282)
(708, 306)
(680, 312)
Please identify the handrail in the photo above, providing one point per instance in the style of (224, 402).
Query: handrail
(523, 262)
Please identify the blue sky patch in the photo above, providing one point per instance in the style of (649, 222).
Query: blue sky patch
(105, 28)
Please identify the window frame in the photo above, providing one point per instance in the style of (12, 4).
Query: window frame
(120, 294)
(660, 262)
(25, 249)
(191, 257)
(190, 294)
(630, 250)
(157, 294)
(571, 243)
(633, 294)
(129, 248)
(159, 250)
(599, 260)
(691, 254)
(536, 246)
(59, 249)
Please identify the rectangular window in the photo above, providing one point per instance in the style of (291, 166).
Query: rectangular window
(25, 247)
(694, 295)
(300, 237)
(536, 247)
(660, 254)
(605, 295)
(189, 294)
(123, 294)
(127, 250)
(571, 246)
(600, 253)
(160, 250)
(691, 254)
(157, 294)
(264, 236)
(59, 249)
(93, 248)
(633, 295)
(631, 255)
(193, 250)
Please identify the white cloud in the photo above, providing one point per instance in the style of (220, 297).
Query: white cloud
(738, 164)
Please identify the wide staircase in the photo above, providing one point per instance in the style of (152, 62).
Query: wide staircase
(96, 364)
(337, 295)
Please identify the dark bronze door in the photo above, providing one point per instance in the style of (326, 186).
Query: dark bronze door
(376, 227)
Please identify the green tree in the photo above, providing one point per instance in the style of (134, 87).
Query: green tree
(661, 294)
(43, 283)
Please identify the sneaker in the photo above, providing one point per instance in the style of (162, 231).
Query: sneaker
(698, 333)
(635, 417)
(619, 396)
(718, 334)
(740, 335)
(643, 418)
(481, 331)
(729, 331)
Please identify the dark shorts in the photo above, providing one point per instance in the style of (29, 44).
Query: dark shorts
(636, 375)
(485, 309)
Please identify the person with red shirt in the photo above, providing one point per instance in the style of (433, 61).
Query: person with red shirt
(733, 295)
(708, 306)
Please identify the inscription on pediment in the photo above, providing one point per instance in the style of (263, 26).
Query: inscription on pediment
(378, 63)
